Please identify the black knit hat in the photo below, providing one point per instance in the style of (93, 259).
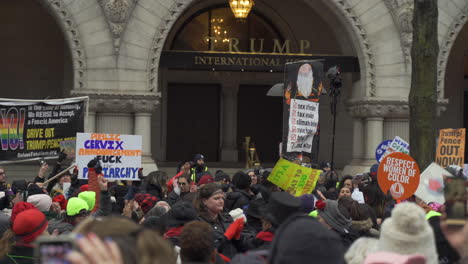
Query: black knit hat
(181, 213)
(281, 205)
(241, 180)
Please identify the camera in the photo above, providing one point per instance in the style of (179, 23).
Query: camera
(51, 249)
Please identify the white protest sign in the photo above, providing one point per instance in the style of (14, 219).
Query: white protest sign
(120, 155)
(398, 145)
(303, 121)
(431, 184)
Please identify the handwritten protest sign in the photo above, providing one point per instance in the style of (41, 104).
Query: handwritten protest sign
(398, 145)
(381, 148)
(120, 155)
(399, 174)
(303, 121)
(431, 185)
(294, 178)
(451, 147)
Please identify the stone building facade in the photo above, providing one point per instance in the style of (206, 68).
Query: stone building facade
(112, 51)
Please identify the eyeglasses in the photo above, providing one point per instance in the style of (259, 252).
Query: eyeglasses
(2, 173)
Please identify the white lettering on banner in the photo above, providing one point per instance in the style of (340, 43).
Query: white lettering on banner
(303, 122)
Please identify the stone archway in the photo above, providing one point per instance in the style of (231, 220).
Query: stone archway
(69, 28)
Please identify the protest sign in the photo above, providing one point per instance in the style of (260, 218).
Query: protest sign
(295, 179)
(32, 129)
(120, 155)
(451, 147)
(303, 121)
(431, 184)
(381, 148)
(303, 87)
(399, 174)
(398, 145)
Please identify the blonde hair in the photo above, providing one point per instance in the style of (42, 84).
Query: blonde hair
(141, 246)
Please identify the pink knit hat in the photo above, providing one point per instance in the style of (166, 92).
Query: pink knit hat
(393, 258)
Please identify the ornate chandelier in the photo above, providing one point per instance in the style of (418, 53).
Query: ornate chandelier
(241, 8)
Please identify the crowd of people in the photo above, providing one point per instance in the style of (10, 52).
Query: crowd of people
(198, 216)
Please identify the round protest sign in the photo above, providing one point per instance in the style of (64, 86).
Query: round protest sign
(399, 174)
(381, 148)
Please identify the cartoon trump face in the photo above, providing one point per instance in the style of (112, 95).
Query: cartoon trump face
(305, 80)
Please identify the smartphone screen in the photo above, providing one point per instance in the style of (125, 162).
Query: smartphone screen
(54, 252)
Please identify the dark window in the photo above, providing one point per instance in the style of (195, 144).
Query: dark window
(217, 26)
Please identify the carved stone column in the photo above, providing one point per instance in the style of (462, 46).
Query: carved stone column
(374, 135)
(358, 141)
(125, 114)
(229, 151)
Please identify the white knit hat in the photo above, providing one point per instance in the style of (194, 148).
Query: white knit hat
(41, 201)
(408, 232)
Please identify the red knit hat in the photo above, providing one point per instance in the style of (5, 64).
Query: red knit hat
(205, 179)
(20, 207)
(146, 201)
(84, 188)
(29, 224)
(61, 200)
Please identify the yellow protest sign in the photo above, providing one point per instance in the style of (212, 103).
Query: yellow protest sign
(293, 178)
(451, 147)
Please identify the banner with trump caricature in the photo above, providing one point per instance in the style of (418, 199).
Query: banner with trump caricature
(302, 89)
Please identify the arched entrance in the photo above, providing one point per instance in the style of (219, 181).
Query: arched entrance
(456, 86)
(238, 104)
(36, 62)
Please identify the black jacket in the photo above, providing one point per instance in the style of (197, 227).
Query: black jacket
(445, 251)
(238, 199)
(226, 247)
(19, 255)
(173, 197)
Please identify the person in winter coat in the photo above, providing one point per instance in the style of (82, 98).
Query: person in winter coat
(280, 207)
(177, 194)
(227, 233)
(155, 184)
(336, 218)
(302, 239)
(405, 232)
(180, 214)
(27, 226)
(241, 196)
(199, 168)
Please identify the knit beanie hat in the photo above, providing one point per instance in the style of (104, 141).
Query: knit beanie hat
(334, 217)
(18, 208)
(198, 157)
(241, 180)
(408, 232)
(89, 197)
(307, 203)
(76, 205)
(29, 224)
(41, 201)
(393, 258)
(205, 179)
(84, 187)
(146, 201)
(61, 200)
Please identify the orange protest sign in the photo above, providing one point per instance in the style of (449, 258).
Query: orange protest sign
(451, 147)
(399, 174)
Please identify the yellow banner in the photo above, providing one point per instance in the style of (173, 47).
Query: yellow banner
(293, 178)
(451, 147)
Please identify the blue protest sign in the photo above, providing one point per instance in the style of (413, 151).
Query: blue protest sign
(381, 148)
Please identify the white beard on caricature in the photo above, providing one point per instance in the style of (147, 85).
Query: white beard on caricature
(305, 80)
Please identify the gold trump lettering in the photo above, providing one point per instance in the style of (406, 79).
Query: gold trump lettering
(257, 45)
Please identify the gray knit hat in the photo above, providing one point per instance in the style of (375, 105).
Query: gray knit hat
(334, 217)
(408, 232)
